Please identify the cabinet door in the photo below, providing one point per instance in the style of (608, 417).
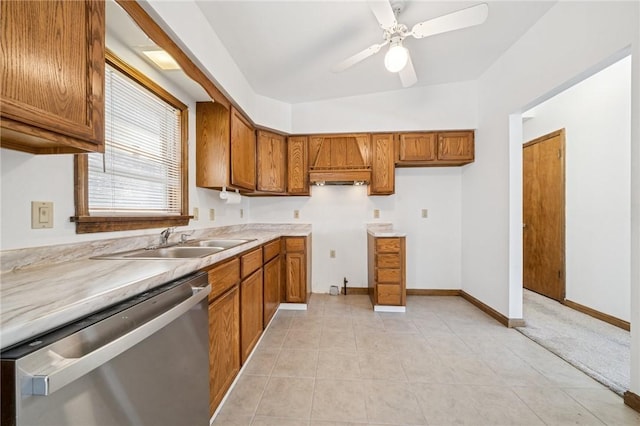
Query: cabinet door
(415, 148)
(456, 147)
(295, 265)
(272, 167)
(52, 76)
(297, 166)
(243, 152)
(382, 165)
(224, 345)
(250, 313)
(271, 289)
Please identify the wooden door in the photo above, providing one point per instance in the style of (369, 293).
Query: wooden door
(224, 345)
(416, 148)
(455, 147)
(297, 166)
(250, 313)
(272, 162)
(243, 152)
(295, 277)
(544, 215)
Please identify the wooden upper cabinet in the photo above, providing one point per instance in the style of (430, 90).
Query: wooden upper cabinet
(416, 148)
(456, 147)
(271, 162)
(382, 165)
(225, 148)
(297, 165)
(243, 152)
(52, 76)
(425, 149)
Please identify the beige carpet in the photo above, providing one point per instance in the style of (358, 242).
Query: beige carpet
(599, 349)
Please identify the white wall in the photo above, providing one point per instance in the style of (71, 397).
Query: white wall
(596, 114)
(339, 215)
(27, 177)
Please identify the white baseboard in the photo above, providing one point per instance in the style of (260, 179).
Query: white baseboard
(293, 307)
(388, 308)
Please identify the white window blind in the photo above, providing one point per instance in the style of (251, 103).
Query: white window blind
(140, 171)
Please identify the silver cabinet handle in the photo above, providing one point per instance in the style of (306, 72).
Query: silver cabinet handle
(70, 369)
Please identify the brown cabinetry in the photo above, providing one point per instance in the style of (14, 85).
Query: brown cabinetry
(224, 330)
(382, 165)
(272, 268)
(225, 148)
(271, 162)
(251, 302)
(297, 269)
(454, 148)
(386, 262)
(297, 166)
(52, 76)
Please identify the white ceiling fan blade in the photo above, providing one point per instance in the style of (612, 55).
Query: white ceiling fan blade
(468, 17)
(384, 13)
(408, 74)
(352, 60)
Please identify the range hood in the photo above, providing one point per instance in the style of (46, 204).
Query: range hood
(340, 159)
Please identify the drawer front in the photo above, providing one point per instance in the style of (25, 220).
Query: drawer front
(388, 275)
(387, 245)
(223, 277)
(250, 262)
(294, 244)
(271, 250)
(389, 294)
(391, 260)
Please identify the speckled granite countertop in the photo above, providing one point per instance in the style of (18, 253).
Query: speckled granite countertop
(383, 230)
(39, 292)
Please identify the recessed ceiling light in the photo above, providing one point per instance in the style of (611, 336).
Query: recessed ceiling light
(162, 59)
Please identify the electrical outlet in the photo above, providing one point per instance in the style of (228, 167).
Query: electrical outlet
(425, 213)
(241, 213)
(196, 213)
(376, 213)
(212, 214)
(332, 254)
(296, 214)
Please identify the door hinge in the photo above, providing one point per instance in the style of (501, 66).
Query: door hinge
(559, 154)
(560, 274)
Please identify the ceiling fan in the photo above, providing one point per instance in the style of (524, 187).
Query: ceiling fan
(397, 58)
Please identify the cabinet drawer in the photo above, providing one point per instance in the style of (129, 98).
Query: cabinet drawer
(294, 244)
(388, 275)
(271, 250)
(250, 262)
(390, 260)
(223, 277)
(389, 294)
(387, 245)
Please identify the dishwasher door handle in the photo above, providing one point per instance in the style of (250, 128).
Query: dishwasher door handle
(68, 370)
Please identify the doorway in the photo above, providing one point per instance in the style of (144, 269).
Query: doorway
(544, 215)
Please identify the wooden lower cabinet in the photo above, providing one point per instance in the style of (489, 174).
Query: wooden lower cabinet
(250, 313)
(224, 345)
(386, 263)
(297, 269)
(271, 289)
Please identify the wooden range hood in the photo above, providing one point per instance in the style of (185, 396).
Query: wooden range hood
(340, 159)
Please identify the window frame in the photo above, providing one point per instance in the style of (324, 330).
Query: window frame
(85, 223)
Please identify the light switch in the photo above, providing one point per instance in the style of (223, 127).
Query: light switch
(332, 254)
(425, 213)
(196, 213)
(241, 213)
(212, 214)
(41, 214)
(296, 214)
(376, 213)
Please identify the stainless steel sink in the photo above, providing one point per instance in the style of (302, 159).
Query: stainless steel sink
(176, 252)
(225, 244)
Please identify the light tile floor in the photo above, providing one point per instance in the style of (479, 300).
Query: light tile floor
(443, 362)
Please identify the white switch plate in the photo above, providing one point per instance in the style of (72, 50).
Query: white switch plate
(241, 213)
(296, 214)
(332, 254)
(425, 213)
(41, 214)
(212, 214)
(376, 213)
(196, 213)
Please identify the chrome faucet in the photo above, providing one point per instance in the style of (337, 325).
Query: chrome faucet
(164, 236)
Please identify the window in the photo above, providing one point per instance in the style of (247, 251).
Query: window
(141, 179)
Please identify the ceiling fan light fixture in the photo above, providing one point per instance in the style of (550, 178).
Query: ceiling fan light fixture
(396, 57)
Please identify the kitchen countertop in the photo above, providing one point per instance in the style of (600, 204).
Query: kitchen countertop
(48, 294)
(381, 230)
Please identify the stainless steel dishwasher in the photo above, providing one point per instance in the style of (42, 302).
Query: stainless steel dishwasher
(141, 362)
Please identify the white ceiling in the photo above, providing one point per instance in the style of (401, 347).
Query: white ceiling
(286, 49)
